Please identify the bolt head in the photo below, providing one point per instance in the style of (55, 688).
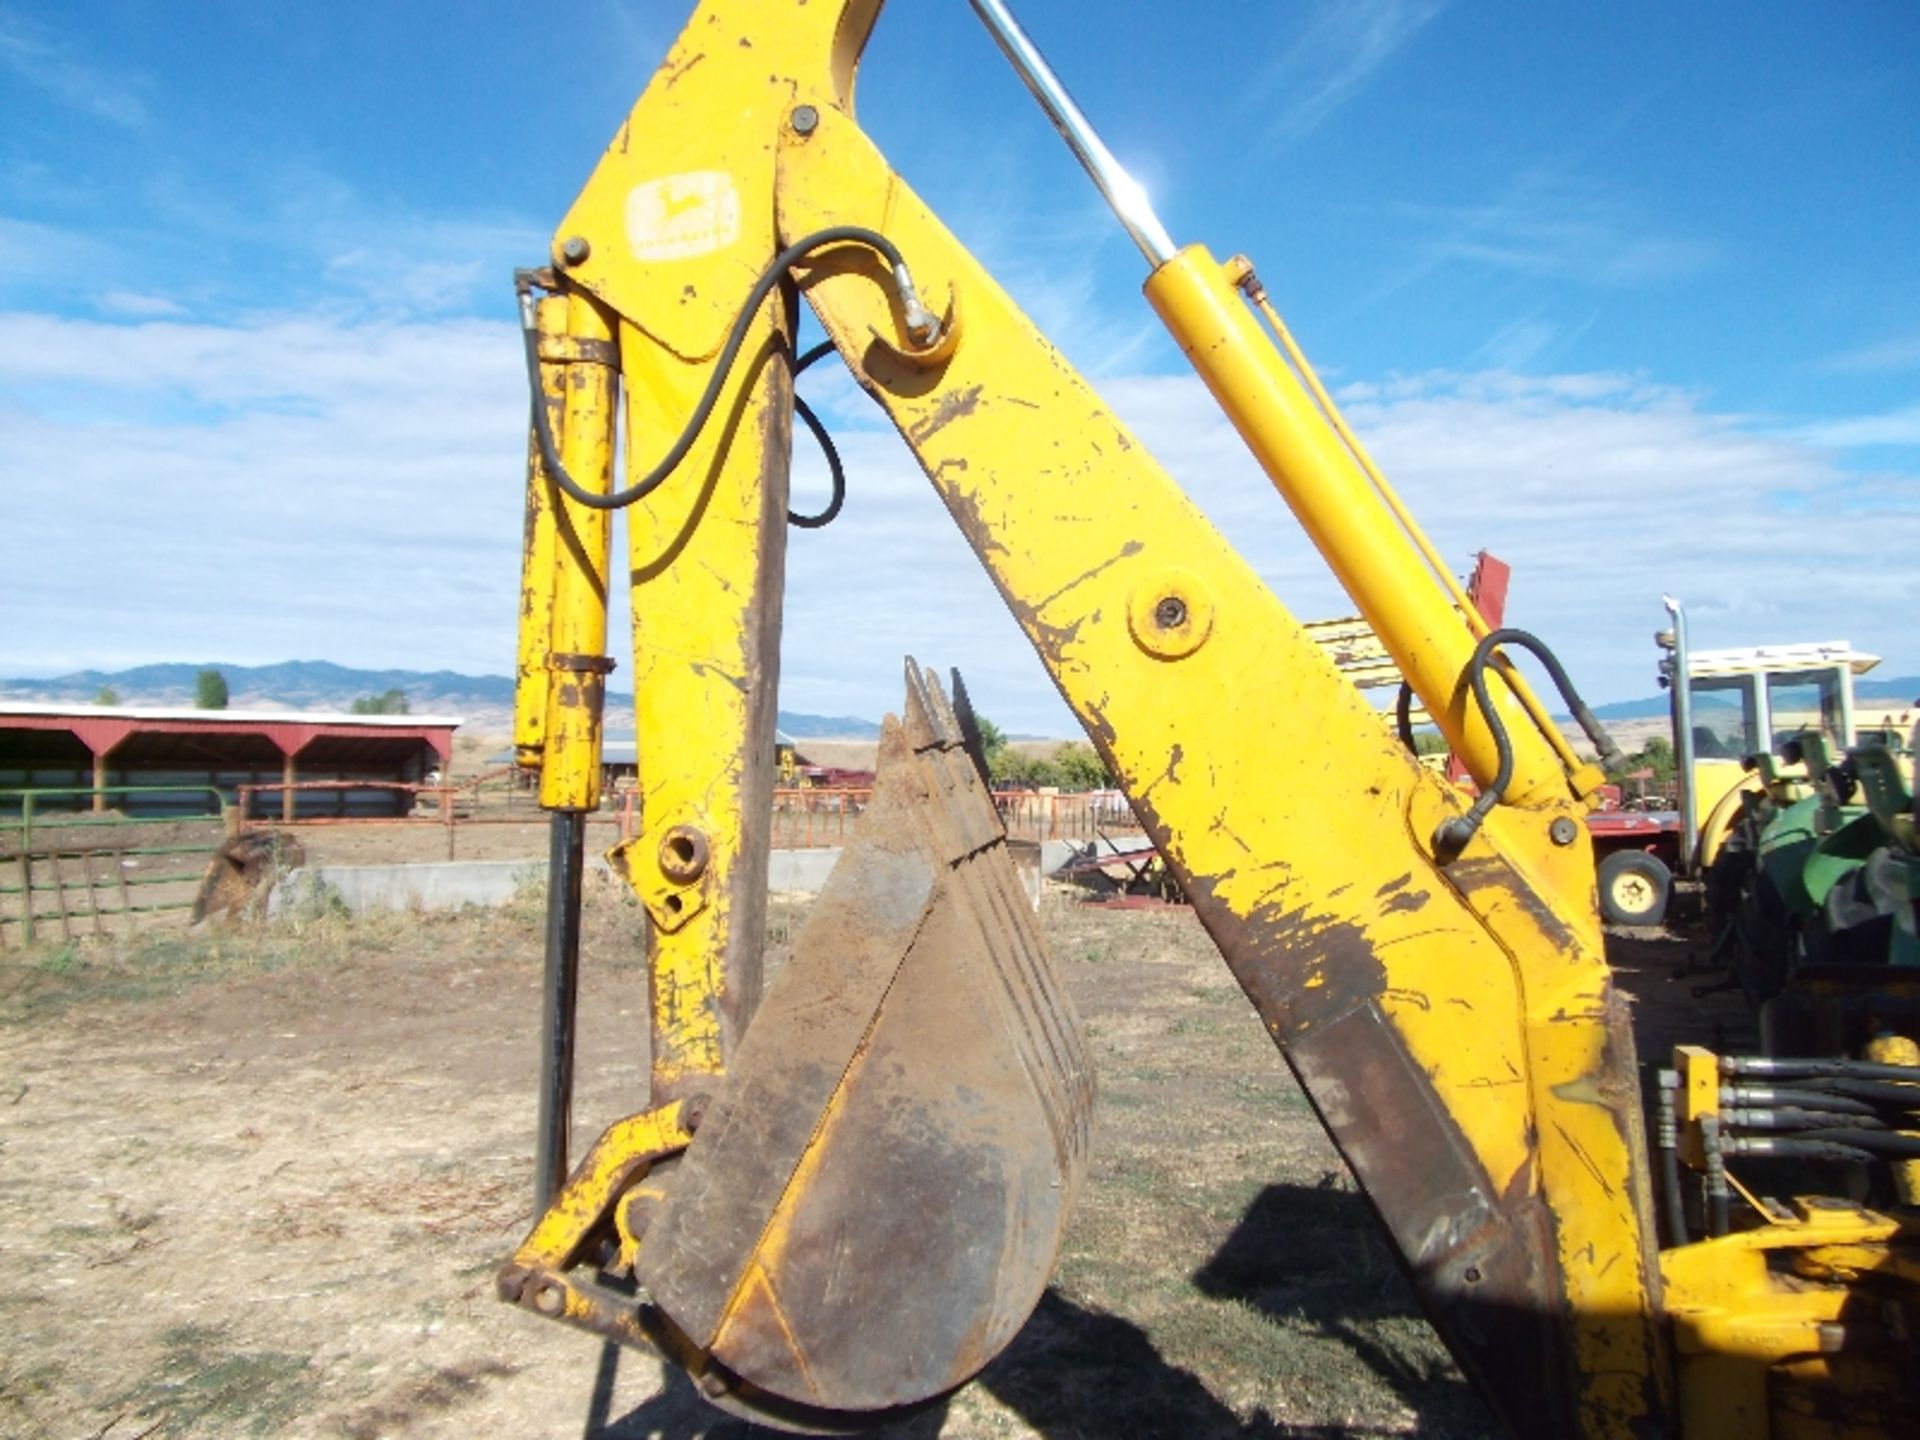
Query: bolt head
(1563, 831)
(683, 854)
(637, 1211)
(1170, 613)
(574, 250)
(805, 119)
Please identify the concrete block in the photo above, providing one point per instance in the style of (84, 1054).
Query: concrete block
(362, 889)
(448, 885)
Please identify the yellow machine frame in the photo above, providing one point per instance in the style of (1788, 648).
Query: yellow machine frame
(1439, 988)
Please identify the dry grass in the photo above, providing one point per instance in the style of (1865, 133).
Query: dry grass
(258, 1181)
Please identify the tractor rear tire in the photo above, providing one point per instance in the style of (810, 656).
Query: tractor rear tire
(1634, 887)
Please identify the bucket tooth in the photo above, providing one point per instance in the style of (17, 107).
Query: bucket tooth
(969, 727)
(873, 1205)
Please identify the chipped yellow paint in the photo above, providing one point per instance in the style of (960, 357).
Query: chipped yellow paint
(570, 764)
(622, 1151)
(1301, 827)
(677, 221)
(706, 560)
(1378, 562)
(1743, 1325)
(531, 677)
(1265, 778)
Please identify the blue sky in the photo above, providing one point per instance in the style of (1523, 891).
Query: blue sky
(1628, 294)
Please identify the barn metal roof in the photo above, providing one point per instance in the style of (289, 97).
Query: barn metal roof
(226, 717)
(164, 732)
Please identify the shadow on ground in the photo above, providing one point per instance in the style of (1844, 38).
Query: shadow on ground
(1315, 1256)
(1308, 1258)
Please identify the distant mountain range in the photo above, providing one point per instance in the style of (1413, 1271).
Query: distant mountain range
(1901, 692)
(485, 701)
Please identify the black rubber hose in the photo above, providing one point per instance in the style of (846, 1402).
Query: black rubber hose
(1676, 1207)
(736, 336)
(1787, 1068)
(1452, 836)
(1798, 1148)
(1777, 1095)
(827, 448)
(1403, 716)
(1875, 1142)
(1668, 1139)
(1878, 1092)
(1767, 1117)
(1719, 1221)
(1718, 1191)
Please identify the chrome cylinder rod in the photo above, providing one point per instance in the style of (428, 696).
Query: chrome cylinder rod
(1125, 194)
(567, 832)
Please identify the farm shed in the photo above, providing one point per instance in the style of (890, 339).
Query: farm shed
(99, 751)
(620, 760)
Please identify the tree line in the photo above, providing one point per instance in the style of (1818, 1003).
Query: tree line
(1074, 764)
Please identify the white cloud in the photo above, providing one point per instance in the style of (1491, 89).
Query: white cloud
(426, 265)
(138, 306)
(1895, 427)
(1900, 353)
(1549, 225)
(1518, 344)
(297, 487)
(31, 249)
(310, 486)
(1335, 56)
(38, 59)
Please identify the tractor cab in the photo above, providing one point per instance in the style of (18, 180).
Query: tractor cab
(1751, 701)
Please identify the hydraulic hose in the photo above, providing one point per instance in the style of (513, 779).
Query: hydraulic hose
(1773, 1095)
(1787, 1068)
(1886, 1143)
(1755, 1117)
(1668, 1144)
(1878, 1092)
(1453, 835)
(1719, 1193)
(922, 326)
(1797, 1147)
(827, 448)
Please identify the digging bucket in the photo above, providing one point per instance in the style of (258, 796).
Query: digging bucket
(873, 1204)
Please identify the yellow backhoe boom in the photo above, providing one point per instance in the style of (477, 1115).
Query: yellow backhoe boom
(872, 1167)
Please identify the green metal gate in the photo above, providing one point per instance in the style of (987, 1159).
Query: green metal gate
(67, 869)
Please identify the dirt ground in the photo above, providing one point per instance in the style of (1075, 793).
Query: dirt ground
(258, 1183)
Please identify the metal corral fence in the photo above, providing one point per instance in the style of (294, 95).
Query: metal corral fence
(66, 867)
(813, 818)
(804, 818)
(480, 801)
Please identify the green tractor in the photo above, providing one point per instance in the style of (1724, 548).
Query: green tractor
(1810, 858)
